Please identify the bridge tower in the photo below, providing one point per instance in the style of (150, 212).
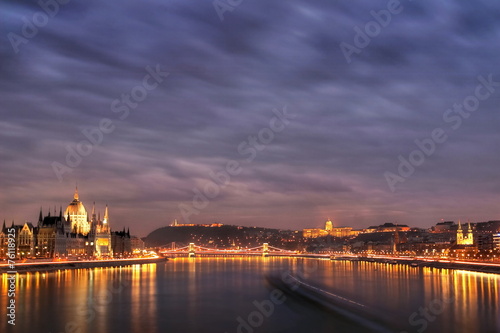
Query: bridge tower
(265, 249)
(192, 251)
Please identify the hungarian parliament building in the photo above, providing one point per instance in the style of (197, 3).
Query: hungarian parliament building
(71, 234)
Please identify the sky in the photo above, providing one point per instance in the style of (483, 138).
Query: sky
(301, 111)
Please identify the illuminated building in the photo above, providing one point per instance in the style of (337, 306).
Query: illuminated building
(496, 241)
(25, 240)
(467, 239)
(59, 235)
(330, 230)
(209, 225)
(464, 245)
(77, 214)
(344, 232)
(51, 235)
(314, 233)
(3, 240)
(328, 225)
(101, 234)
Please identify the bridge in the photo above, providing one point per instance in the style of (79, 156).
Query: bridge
(192, 250)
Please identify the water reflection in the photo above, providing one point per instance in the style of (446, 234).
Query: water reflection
(435, 300)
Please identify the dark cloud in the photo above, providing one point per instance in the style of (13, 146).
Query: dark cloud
(352, 120)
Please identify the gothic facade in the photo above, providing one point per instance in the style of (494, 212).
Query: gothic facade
(72, 234)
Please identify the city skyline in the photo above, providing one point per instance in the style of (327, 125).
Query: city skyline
(142, 232)
(295, 111)
(250, 166)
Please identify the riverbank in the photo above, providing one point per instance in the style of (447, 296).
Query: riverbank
(62, 265)
(482, 267)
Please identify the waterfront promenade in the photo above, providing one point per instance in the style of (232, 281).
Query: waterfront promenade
(53, 265)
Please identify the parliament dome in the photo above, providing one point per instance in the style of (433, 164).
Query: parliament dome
(75, 207)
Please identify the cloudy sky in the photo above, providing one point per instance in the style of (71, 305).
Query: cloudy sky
(354, 102)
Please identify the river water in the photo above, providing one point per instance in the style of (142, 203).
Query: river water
(231, 295)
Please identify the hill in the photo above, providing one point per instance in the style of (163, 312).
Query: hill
(224, 236)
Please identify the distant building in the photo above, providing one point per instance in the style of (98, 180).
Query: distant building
(328, 225)
(464, 239)
(51, 236)
(77, 245)
(136, 244)
(445, 226)
(424, 248)
(344, 232)
(25, 240)
(101, 235)
(330, 230)
(77, 214)
(485, 242)
(4, 240)
(496, 241)
(314, 233)
(120, 242)
(464, 246)
(207, 225)
(388, 227)
(71, 234)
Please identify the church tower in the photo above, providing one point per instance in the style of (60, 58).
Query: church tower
(467, 239)
(395, 241)
(102, 235)
(460, 234)
(93, 218)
